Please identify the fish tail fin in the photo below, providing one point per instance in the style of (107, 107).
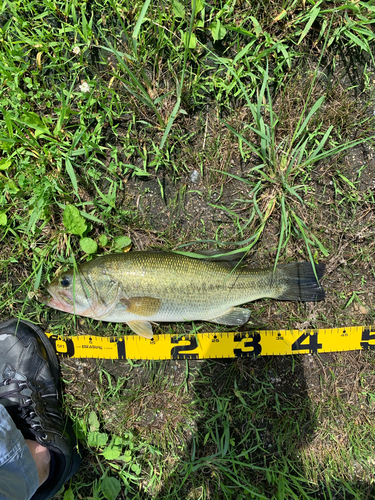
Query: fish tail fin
(299, 282)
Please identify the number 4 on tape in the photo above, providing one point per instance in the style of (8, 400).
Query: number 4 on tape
(307, 342)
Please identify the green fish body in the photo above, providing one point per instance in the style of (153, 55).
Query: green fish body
(138, 288)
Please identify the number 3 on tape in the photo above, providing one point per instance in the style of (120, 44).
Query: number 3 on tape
(307, 341)
(249, 342)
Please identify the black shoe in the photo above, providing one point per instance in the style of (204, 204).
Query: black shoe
(29, 382)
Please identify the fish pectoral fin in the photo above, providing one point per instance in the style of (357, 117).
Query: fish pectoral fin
(142, 306)
(234, 317)
(141, 328)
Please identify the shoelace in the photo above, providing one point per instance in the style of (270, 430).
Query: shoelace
(27, 413)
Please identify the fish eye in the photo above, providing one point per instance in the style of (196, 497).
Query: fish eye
(65, 281)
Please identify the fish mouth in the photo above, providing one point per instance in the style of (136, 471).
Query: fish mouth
(53, 300)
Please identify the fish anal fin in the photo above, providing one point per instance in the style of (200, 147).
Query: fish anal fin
(141, 306)
(236, 316)
(141, 328)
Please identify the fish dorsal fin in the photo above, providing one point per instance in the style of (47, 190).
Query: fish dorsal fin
(224, 257)
(141, 306)
(141, 328)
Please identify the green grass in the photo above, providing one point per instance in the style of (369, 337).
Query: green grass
(106, 110)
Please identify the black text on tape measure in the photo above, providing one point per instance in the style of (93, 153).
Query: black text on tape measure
(215, 345)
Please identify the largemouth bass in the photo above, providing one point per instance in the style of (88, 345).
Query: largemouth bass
(139, 288)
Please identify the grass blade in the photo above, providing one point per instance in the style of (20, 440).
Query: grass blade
(72, 175)
(313, 110)
(313, 14)
(139, 24)
(283, 225)
(321, 143)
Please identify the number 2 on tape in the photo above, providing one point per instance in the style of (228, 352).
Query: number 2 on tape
(312, 343)
(178, 352)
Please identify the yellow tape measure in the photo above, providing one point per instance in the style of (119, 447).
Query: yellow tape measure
(217, 345)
